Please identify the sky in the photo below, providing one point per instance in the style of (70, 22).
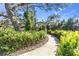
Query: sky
(72, 10)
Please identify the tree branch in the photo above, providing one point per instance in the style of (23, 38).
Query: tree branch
(4, 15)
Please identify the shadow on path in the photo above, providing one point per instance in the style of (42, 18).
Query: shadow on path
(54, 39)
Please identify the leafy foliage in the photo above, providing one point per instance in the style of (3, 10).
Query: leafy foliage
(29, 20)
(68, 24)
(68, 44)
(11, 40)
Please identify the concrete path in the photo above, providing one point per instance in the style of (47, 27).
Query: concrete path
(48, 49)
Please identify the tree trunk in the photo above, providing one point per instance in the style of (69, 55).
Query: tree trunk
(11, 16)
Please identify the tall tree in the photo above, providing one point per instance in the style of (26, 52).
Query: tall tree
(53, 21)
(11, 16)
(10, 8)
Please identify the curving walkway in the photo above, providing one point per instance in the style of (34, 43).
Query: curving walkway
(48, 49)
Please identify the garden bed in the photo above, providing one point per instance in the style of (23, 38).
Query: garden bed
(68, 42)
(29, 48)
(12, 41)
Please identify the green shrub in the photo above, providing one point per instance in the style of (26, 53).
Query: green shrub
(69, 42)
(11, 40)
(56, 33)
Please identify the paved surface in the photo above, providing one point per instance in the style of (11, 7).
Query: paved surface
(48, 49)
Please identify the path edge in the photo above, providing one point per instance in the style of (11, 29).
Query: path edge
(30, 48)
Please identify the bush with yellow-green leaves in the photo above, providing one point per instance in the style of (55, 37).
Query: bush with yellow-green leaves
(11, 40)
(68, 44)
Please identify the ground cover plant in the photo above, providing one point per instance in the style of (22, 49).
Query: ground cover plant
(68, 42)
(11, 40)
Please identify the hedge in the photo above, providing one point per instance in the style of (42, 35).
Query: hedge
(11, 40)
(68, 44)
